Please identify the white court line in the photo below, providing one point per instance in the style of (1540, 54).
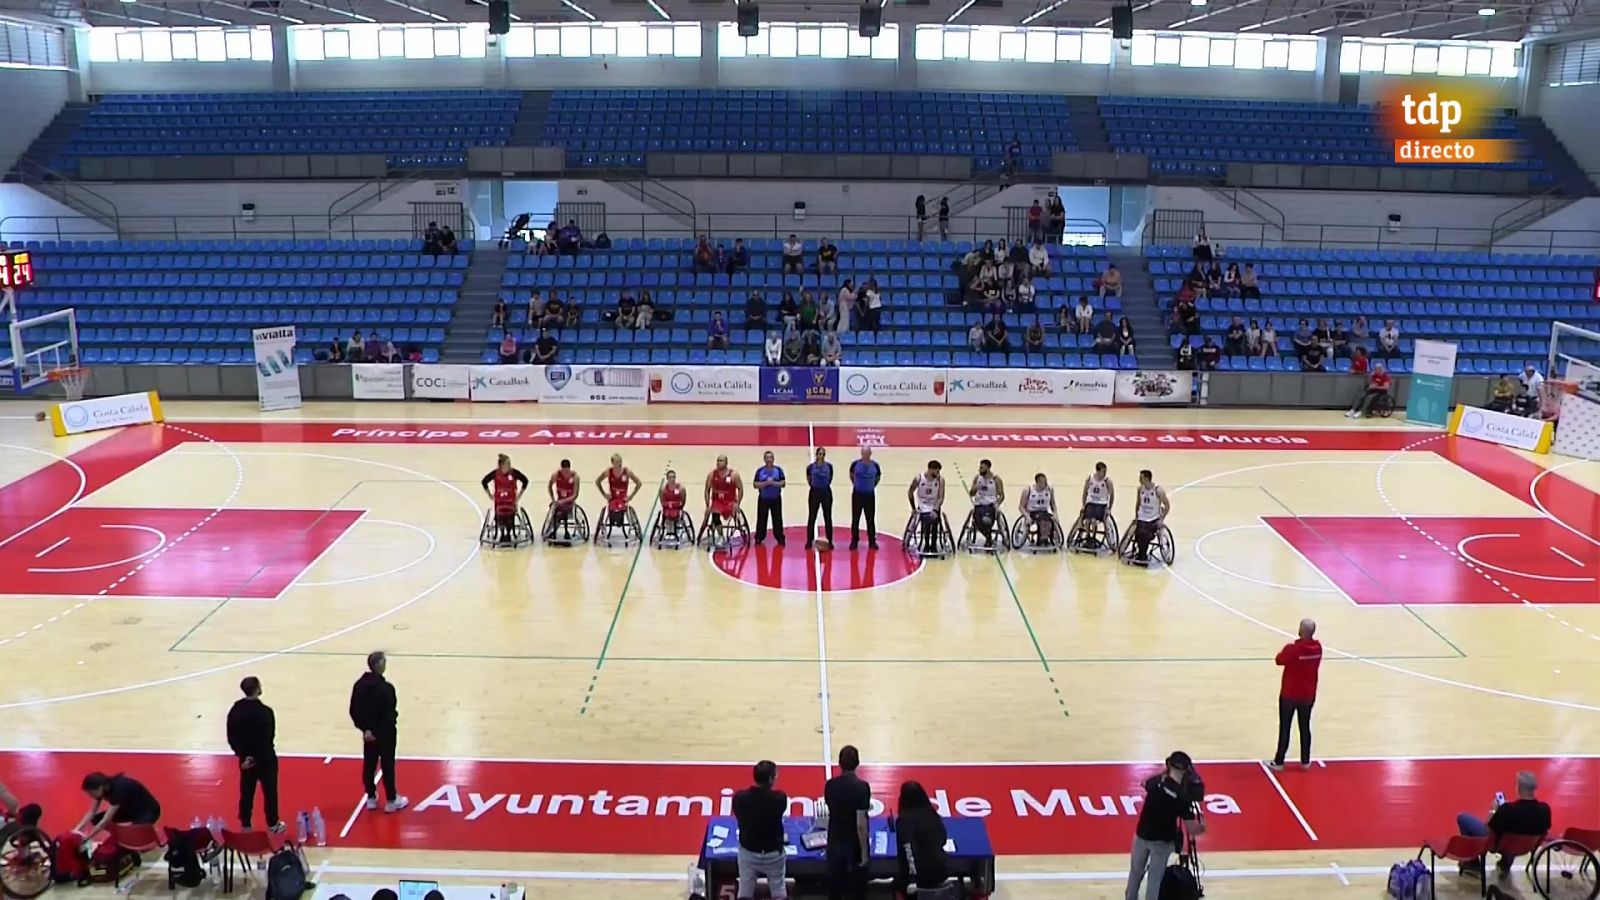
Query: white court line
(432, 545)
(42, 553)
(558, 875)
(354, 815)
(1461, 548)
(1339, 872)
(822, 639)
(83, 484)
(1284, 795)
(1199, 551)
(1567, 556)
(1533, 494)
(161, 541)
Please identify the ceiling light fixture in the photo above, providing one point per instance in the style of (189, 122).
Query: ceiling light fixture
(957, 14)
(1197, 2)
(1486, 11)
(1042, 11)
(580, 10)
(659, 11)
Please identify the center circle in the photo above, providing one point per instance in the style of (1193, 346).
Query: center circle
(794, 568)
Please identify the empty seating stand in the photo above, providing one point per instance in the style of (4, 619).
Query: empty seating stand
(418, 129)
(920, 327)
(1496, 307)
(617, 128)
(176, 302)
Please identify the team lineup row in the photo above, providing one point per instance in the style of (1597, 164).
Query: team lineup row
(928, 534)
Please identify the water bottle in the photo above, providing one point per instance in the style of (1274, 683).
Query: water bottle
(302, 827)
(215, 826)
(319, 828)
(194, 823)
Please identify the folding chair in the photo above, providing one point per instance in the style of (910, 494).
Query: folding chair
(137, 839)
(244, 846)
(1461, 849)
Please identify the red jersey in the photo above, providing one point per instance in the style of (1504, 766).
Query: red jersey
(1300, 661)
(722, 489)
(505, 491)
(617, 485)
(566, 485)
(672, 500)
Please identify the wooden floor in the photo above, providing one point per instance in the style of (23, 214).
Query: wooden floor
(1448, 636)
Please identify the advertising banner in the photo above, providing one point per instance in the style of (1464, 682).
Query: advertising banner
(78, 416)
(1501, 428)
(705, 384)
(505, 384)
(1003, 386)
(1433, 374)
(1152, 388)
(617, 385)
(799, 384)
(277, 376)
(378, 381)
(435, 382)
(1087, 387)
(893, 385)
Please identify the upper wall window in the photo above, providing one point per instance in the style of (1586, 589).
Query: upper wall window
(1199, 51)
(1004, 43)
(1490, 59)
(158, 45)
(793, 40)
(620, 39)
(25, 45)
(1573, 63)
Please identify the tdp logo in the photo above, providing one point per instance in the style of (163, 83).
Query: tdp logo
(1431, 111)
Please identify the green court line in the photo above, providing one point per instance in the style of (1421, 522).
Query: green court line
(616, 614)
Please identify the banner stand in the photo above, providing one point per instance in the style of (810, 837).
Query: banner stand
(1433, 374)
(277, 374)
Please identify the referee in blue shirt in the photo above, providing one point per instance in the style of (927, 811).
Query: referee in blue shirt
(769, 499)
(864, 477)
(819, 475)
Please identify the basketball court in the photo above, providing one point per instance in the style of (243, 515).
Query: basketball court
(569, 716)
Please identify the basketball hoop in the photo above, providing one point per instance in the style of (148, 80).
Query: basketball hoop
(73, 381)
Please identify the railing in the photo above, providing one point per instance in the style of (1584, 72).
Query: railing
(1256, 205)
(134, 228)
(727, 226)
(1380, 237)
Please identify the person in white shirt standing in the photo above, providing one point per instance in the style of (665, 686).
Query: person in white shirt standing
(873, 298)
(1528, 403)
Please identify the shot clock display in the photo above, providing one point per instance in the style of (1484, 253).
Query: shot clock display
(17, 270)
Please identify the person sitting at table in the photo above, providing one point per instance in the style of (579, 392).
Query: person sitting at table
(920, 861)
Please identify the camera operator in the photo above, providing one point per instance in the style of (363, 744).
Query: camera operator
(1173, 795)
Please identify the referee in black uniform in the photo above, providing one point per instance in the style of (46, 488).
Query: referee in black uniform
(864, 477)
(819, 476)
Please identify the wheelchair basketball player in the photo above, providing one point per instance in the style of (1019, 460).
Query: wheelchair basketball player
(724, 496)
(927, 529)
(673, 526)
(987, 491)
(1038, 509)
(1150, 518)
(619, 486)
(564, 516)
(1095, 527)
(509, 484)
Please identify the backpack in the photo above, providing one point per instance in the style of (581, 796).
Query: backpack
(1180, 884)
(286, 874)
(73, 864)
(183, 857)
(1410, 880)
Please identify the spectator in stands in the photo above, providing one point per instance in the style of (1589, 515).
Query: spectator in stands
(374, 348)
(793, 349)
(975, 338)
(1269, 340)
(1526, 816)
(1202, 246)
(336, 350)
(739, 259)
(1036, 223)
(1210, 354)
(355, 348)
(1033, 339)
(1126, 346)
(1002, 251)
(1230, 280)
(550, 245)
(720, 261)
(571, 238)
(794, 262)
(535, 308)
(1013, 157)
(996, 339)
(1341, 341)
(811, 350)
(1531, 380)
(1187, 315)
(1183, 357)
(988, 277)
(623, 315)
(1252, 338)
(827, 258)
(808, 312)
(508, 348)
(773, 348)
(430, 239)
(1213, 280)
(1304, 339)
(1249, 288)
(1323, 335)
(497, 319)
(1505, 394)
(1005, 274)
(944, 218)
(755, 310)
(717, 335)
(1083, 315)
(922, 216)
(1038, 260)
(1233, 342)
(413, 353)
(1314, 359)
(1019, 256)
(646, 316)
(1105, 333)
(390, 353)
(832, 350)
(1056, 214)
(555, 312)
(1359, 363)
(1110, 282)
(1065, 319)
(828, 312)
(545, 348)
(788, 311)
(705, 258)
(1388, 340)
(602, 241)
(847, 305)
(1359, 336)
(1196, 280)
(872, 298)
(447, 240)
(1025, 295)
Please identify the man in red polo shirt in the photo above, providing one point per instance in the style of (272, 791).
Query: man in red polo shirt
(1300, 661)
(1380, 382)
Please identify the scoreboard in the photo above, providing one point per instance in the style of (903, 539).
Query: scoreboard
(16, 268)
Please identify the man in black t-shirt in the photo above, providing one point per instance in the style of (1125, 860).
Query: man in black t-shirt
(124, 801)
(1525, 816)
(1166, 800)
(759, 810)
(849, 802)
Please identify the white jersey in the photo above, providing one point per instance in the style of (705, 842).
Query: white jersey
(986, 491)
(1040, 498)
(1149, 504)
(928, 493)
(1099, 490)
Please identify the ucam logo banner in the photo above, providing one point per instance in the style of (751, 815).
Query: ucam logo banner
(78, 416)
(1003, 386)
(705, 384)
(435, 382)
(1501, 428)
(505, 383)
(277, 376)
(616, 385)
(799, 384)
(378, 381)
(891, 384)
(1151, 388)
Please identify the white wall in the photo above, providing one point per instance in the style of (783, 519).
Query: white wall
(27, 215)
(176, 77)
(1571, 114)
(36, 96)
(1498, 92)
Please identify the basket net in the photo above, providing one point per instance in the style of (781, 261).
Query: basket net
(73, 381)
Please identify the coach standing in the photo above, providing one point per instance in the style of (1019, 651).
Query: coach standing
(375, 711)
(864, 477)
(769, 498)
(252, 730)
(1300, 660)
(819, 475)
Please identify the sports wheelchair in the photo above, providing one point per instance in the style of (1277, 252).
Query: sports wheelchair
(724, 532)
(1026, 536)
(943, 545)
(516, 533)
(674, 533)
(1094, 536)
(570, 531)
(1162, 547)
(617, 528)
(27, 867)
(971, 539)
